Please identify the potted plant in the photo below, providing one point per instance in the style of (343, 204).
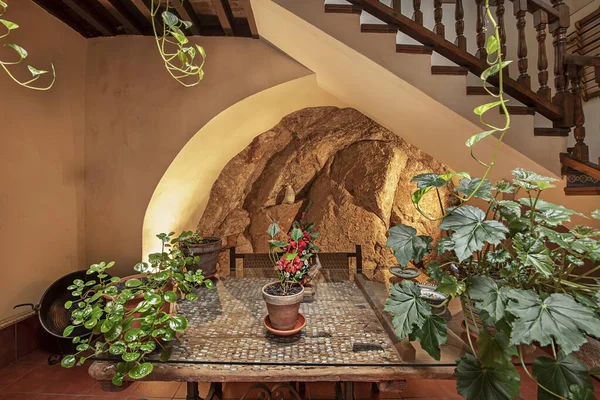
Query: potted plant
(134, 316)
(207, 248)
(292, 259)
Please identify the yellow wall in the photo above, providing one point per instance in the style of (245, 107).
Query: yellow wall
(138, 118)
(41, 160)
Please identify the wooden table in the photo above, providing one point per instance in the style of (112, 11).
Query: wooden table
(347, 339)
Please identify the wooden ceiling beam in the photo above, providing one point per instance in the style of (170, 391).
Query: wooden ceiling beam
(119, 16)
(225, 18)
(186, 12)
(89, 17)
(144, 9)
(61, 15)
(250, 17)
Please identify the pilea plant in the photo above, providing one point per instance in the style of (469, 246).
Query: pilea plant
(134, 316)
(173, 45)
(21, 54)
(521, 281)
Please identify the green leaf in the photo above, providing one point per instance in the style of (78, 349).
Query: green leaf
(130, 356)
(153, 299)
(407, 308)
(497, 256)
(186, 24)
(68, 304)
(148, 347)
(273, 229)
(134, 282)
(451, 286)
(117, 348)
(201, 51)
(468, 186)
(37, 72)
(509, 209)
(482, 109)
(90, 323)
(21, 51)
(191, 296)
(141, 370)
(558, 375)
(587, 246)
(68, 361)
(166, 354)
(472, 231)
(580, 393)
(178, 323)
(434, 270)
(113, 333)
(492, 45)
(551, 214)
(432, 334)
(495, 348)
(9, 25)
(530, 180)
(559, 316)
(596, 214)
(429, 180)
(473, 140)
(170, 296)
(179, 35)
(297, 234)
(488, 296)
(134, 334)
(209, 284)
(532, 252)
(493, 70)
(405, 243)
(117, 380)
(68, 330)
(169, 18)
(445, 244)
(477, 382)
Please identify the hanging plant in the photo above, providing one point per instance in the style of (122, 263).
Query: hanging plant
(22, 55)
(174, 47)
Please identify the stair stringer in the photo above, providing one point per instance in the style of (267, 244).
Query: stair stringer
(415, 70)
(394, 103)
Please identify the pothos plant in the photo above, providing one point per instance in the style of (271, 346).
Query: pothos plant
(132, 318)
(508, 260)
(21, 54)
(173, 45)
(292, 258)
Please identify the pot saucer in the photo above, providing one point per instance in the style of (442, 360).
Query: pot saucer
(404, 273)
(300, 323)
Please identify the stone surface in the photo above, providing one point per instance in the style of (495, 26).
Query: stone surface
(356, 172)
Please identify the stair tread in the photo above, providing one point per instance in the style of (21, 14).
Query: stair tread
(378, 28)
(518, 110)
(342, 8)
(551, 132)
(480, 91)
(449, 70)
(413, 49)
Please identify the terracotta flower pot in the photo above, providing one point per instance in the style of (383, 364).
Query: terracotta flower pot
(208, 253)
(283, 310)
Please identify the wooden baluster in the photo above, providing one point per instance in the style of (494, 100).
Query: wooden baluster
(481, 52)
(501, 30)
(459, 15)
(562, 98)
(580, 150)
(397, 5)
(540, 20)
(418, 14)
(520, 9)
(438, 15)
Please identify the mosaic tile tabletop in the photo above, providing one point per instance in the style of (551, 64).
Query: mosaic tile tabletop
(226, 325)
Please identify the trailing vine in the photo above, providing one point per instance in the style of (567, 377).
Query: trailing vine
(495, 67)
(173, 45)
(22, 54)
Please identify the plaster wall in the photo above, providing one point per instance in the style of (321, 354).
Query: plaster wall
(41, 160)
(138, 119)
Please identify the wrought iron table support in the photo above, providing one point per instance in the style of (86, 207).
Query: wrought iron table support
(215, 392)
(345, 393)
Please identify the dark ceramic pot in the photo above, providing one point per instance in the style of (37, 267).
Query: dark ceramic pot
(208, 253)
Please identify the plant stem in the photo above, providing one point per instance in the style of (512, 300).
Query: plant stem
(520, 353)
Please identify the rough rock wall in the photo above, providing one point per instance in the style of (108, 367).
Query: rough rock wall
(356, 172)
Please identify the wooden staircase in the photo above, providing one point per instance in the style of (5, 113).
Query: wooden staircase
(562, 105)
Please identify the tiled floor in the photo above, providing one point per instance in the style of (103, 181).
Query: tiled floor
(31, 378)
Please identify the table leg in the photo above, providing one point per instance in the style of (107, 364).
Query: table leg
(346, 392)
(192, 391)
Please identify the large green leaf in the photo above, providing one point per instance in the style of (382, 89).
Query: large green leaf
(530, 180)
(407, 308)
(450, 285)
(508, 209)
(494, 348)
(563, 239)
(479, 137)
(488, 296)
(558, 375)
(478, 382)
(430, 180)
(273, 229)
(559, 316)
(532, 252)
(548, 213)
(432, 334)
(580, 393)
(494, 69)
(472, 230)
(169, 18)
(140, 370)
(596, 214)
(405, 243)
(469, 186)
(587, 246)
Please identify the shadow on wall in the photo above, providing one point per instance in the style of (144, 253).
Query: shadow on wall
(356, 172)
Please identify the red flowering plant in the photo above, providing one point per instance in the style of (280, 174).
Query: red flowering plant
(293, 259)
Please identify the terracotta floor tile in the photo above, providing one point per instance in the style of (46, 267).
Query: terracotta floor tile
(449, 387)
(57, 397)
(36, 380)
(103, 398)
(12, 372)
(37, 357)
(596, 383)
(422, 388)
(151, 398)
(156, 389)
(71, 381)
(97, 391)
(18, 396)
